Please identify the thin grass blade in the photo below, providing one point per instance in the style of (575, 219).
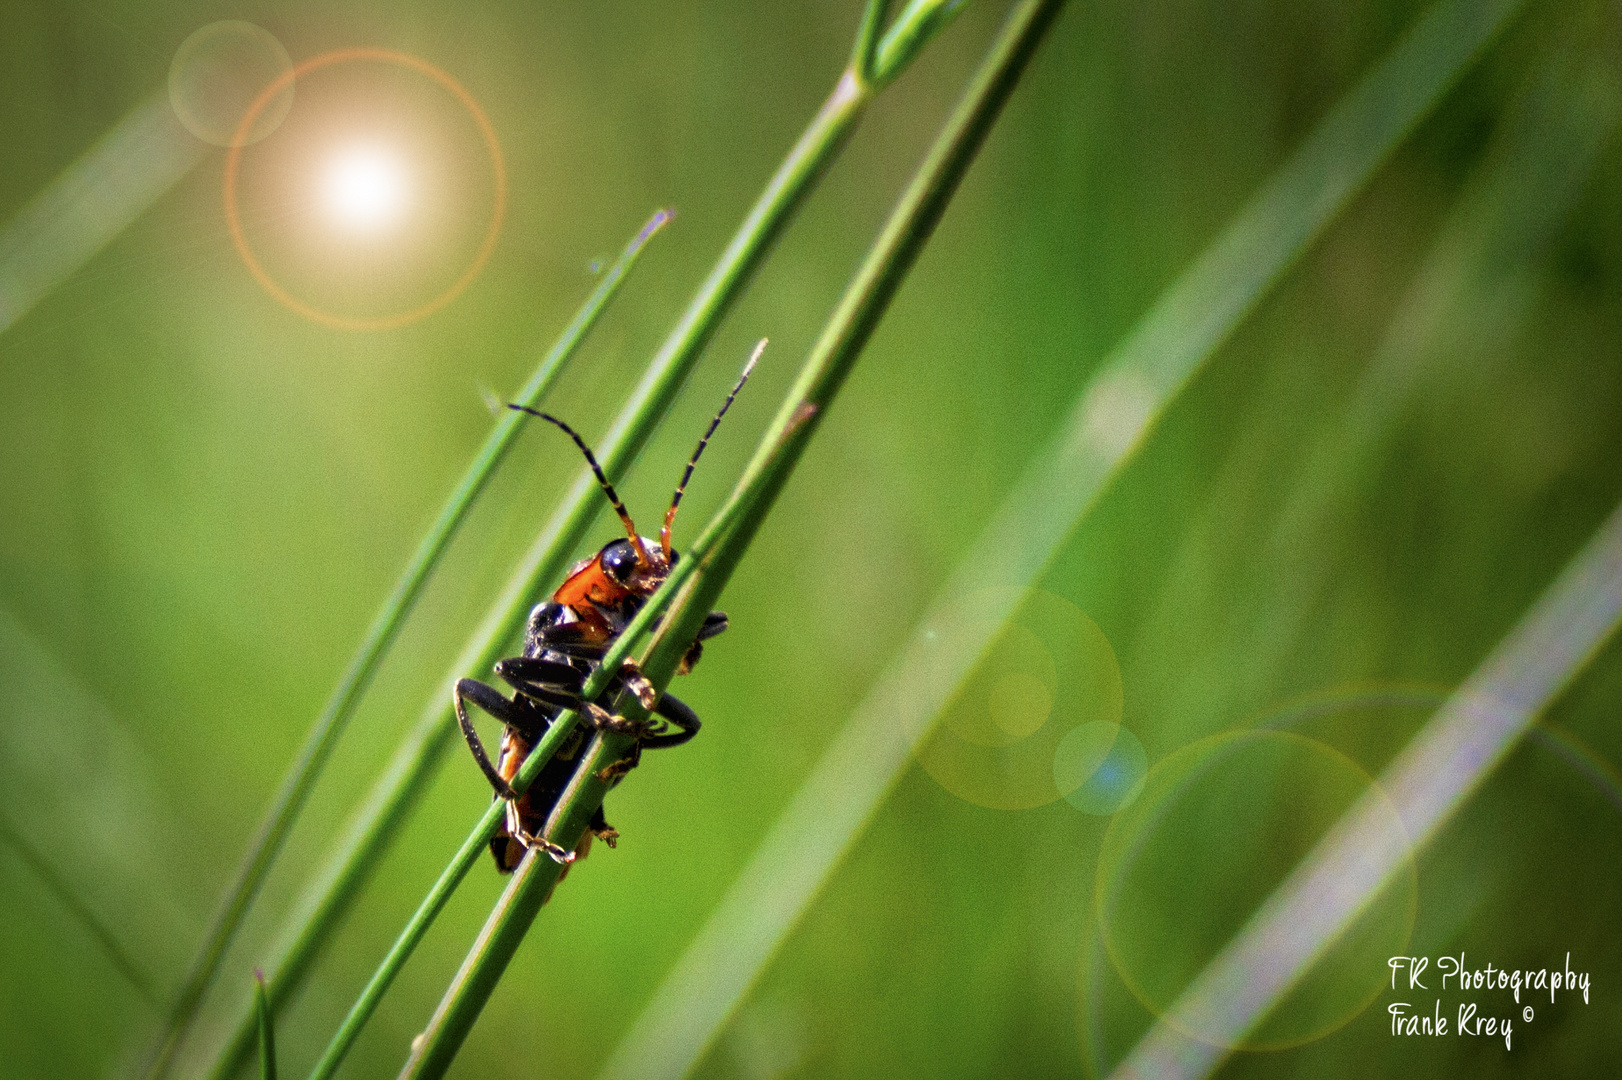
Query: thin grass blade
(1109, 420)
(267, 1033)
(712, 558)
(1471, 294)
(532, 883)
(392, 798)
(917, 24)
(323, 736)
(864, 55)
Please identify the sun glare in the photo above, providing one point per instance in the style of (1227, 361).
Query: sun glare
(365, 188)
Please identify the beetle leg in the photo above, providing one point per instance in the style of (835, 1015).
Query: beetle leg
(603, 720)
(601, 829)
(612, 772)
(561, 699)
(677, 712)
(490, 700)
(638, 684)
(556, 852)
(714, 623)
(545, 681)
(690, 657)
(522, 671)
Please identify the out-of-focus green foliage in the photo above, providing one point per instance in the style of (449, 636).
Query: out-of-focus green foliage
(204, 496)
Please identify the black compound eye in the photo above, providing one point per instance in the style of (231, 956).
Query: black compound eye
(618, 560)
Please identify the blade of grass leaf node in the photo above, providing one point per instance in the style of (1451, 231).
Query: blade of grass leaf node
(1112, 416)
(393, 797)
(1431, 778)
(698, 580)
(323, 736)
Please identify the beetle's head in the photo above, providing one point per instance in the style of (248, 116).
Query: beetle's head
(621, 564)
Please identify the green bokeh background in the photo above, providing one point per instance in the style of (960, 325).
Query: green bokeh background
(204, 497)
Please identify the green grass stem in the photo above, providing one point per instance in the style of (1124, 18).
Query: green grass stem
(267, 1031)
(864, 57)
(700, 577)
(1423, 786)
(393, 796)
(917, 24)
(323, 737)
(1110, 418)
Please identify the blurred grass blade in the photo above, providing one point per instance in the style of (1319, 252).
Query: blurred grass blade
(918, 22)
(81, 913)
(392, 798)
(1473, 293)
(267, 1034)
(1430, 779)
(708, 569)
(91, 201)
(1112, 416)
(323, 736)
(863, 56)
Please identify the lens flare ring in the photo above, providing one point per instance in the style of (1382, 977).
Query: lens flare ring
(1282, 775)
(1094, 1031)
(233, 165)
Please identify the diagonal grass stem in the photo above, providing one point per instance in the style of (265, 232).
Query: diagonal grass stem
(323, 736)
(267, 1031)
(716, 553)
(393, 797)
(1427, 782)
(1111, 417)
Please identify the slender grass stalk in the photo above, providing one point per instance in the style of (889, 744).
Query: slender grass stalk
(1425, 784)
(918, 22)
(864, 56)
(267, 1031)
(1541, 161)
(473, 847)
(81, 913)
(712, 558)
(1109, 420)
(392, 798)
(323, 736)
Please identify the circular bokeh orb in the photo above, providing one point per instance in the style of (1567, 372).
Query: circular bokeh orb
(217, 75)
(1216, 828)
(1045, 670)
(1100, 767)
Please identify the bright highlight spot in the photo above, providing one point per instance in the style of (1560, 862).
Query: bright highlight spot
(365, 188)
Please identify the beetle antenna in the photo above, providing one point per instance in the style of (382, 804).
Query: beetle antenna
(675, 500)
(597, 471)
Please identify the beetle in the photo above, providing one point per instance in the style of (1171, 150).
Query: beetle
(564, 642)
